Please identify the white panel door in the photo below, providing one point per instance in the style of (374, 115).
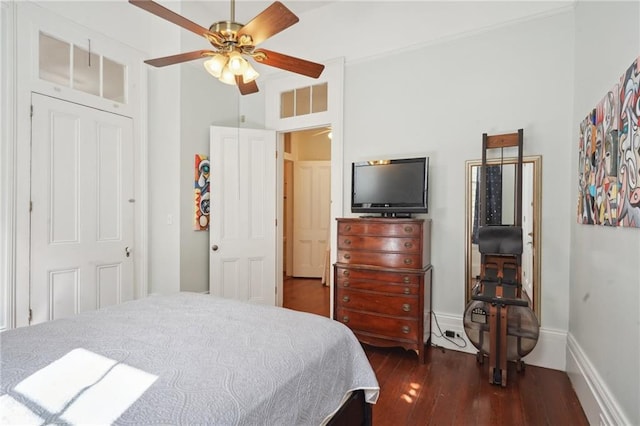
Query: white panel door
(82, 209)
(311, 217)
(242, 230)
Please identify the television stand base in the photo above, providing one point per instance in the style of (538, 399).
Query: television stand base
(397, 215)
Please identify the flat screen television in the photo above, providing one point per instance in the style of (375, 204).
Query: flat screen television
(394, 188)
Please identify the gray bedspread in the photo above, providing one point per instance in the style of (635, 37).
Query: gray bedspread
(181, 359)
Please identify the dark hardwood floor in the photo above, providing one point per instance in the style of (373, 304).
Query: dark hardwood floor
(451, 388)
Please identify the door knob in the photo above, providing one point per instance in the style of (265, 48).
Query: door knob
(127, 251)
(214, 247)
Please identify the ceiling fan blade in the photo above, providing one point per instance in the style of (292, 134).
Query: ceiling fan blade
(290, 63)
(246, 88)
(170, 16)
(269, 22)
(176, 59)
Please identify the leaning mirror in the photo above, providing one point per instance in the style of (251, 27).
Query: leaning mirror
(502, 202)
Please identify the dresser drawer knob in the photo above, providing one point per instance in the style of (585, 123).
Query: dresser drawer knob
(408, 244)
(346, 273)
(405, 329)
(406, 307)
(347, 256)
(345, 284)
(407, 261)
(347, 242)
(346, 299)
(408, 229)
(345, 319)
(406, 279)
(347, 228)
(407, 290)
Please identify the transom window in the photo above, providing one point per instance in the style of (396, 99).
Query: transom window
(304, 100)
(73, 66)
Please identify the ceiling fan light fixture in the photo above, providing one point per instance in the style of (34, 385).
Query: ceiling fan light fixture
(237, 64)
(234, 43)
(227, 76)
(216, 64)
(249, 74)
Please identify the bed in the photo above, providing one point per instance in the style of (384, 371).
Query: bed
(186, 359)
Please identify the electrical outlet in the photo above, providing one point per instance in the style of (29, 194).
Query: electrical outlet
(449, 333)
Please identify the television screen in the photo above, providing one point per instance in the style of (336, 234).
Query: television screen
(391, 187)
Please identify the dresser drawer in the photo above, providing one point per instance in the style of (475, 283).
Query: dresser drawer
(355, 273)
(397, 328)
(379, 286)
(399, 229)
(379, 303)
(388, 260)
(374, 243)
(384, 282)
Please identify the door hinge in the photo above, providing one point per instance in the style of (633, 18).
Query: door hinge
(30, 315)
(276, 154)
(30, 206)
(31, 111)
(276, 223)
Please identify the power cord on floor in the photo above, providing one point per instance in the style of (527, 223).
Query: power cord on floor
(448, 338)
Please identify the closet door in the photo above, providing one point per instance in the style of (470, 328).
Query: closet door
(82, 209)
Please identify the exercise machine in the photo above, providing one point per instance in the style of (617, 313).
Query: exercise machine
(498, 319)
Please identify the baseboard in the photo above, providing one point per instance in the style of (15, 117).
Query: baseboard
(599, 405)
(550, 351)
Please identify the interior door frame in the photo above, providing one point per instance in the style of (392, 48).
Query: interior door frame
(7, 164)
(28, 19)
(275, 84)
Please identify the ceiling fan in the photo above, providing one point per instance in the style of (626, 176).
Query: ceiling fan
(233, 43)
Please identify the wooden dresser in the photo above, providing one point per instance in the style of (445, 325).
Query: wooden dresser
(383, 281)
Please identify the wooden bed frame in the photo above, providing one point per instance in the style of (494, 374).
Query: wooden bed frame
(354, 412)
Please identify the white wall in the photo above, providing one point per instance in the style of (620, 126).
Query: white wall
(517, 76)
(204, 102)
(164, 188)
(605, 270)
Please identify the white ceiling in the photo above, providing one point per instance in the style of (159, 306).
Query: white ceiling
(220, 10)
(357, 29)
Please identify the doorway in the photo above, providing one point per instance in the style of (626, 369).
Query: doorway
(307, 219)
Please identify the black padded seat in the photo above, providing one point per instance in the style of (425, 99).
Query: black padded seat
(500, 239)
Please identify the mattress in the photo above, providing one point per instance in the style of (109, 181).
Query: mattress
(182, 359)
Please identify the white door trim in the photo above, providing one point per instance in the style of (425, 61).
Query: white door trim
(29, 18)
(8, 164)
(333, 74)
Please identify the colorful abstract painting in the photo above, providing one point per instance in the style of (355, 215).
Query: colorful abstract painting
(201, 193)
(609, 157)
(629, 148)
